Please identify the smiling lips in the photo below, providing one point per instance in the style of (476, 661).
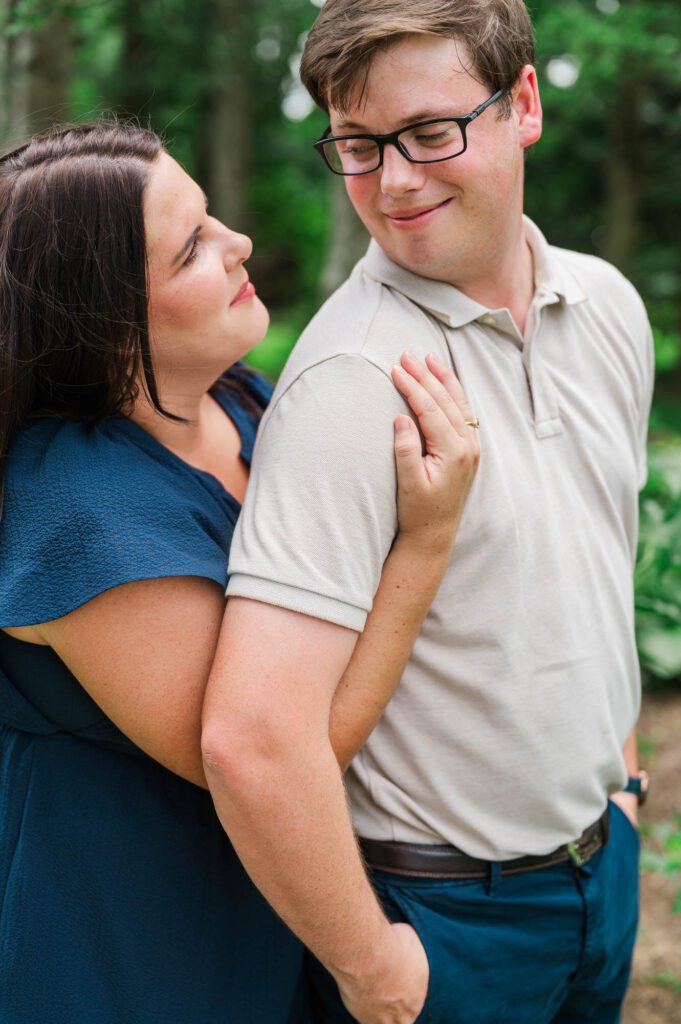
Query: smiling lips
(416, 218)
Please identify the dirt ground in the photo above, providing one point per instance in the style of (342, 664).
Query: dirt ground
(655, 993)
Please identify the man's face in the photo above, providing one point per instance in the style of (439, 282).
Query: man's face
(447, 220)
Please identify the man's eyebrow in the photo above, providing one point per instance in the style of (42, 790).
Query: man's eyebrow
(419, 115)
(178, 255)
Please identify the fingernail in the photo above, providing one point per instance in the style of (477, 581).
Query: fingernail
(436, 359)
(402, 425)
(398, 370)
(408, 355)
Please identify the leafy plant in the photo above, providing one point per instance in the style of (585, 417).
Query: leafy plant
(658, 570)
(662, 852)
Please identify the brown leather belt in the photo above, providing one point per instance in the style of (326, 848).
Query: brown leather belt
(450, 862)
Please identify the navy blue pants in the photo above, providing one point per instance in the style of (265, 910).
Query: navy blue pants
(551, 946)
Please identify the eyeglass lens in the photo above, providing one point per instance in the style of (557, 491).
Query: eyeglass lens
(432, 142)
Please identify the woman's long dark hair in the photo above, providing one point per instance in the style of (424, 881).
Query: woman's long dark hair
(74, 332)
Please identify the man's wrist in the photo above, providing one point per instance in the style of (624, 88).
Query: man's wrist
(638, 785)
(373, 959)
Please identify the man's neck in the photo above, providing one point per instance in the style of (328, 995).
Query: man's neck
(508, 282)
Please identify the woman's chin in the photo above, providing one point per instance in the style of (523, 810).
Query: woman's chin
(261, 323)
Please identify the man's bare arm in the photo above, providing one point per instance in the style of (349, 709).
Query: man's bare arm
(278, 790)
(270, 718)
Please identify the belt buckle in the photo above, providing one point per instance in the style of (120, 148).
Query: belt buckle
(574, 854)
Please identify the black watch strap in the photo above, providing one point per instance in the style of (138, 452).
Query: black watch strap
(638, 784)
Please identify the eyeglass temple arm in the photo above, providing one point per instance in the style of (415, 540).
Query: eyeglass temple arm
(483, 106)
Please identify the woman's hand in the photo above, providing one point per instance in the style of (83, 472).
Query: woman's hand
(432, 488)
(431, 493)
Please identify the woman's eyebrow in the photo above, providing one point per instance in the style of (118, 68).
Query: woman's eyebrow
(178, 256)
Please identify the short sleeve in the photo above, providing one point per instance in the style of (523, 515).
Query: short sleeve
(645, 402)
(90, 508)
(320, 512)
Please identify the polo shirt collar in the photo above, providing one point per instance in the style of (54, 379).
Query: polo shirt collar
(451, 306)
(550, 274)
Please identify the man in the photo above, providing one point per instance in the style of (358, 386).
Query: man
(480, 796)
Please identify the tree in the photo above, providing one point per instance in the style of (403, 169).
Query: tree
(36, 64)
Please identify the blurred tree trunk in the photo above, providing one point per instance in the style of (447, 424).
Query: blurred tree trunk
(132, 94)
(35, 74)
(227, 116)
(348, 241)
(622, 176)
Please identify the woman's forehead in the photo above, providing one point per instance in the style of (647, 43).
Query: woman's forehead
(172, 203)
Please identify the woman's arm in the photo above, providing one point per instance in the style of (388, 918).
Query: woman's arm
(432, 490)
(143, 652)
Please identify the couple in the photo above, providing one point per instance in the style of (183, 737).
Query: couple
(492, 882)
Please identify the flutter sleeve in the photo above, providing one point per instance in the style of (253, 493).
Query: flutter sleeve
(90, 508)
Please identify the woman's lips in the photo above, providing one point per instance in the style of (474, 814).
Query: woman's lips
(247, 291)
(419, 218)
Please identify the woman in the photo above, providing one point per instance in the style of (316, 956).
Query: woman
(122, 303)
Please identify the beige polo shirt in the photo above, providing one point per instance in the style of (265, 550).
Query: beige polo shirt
(505, 733)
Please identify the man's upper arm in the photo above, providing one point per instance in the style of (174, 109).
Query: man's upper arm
(273, 677)
(320, 513)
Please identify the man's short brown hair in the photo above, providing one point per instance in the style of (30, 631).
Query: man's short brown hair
(348, 34)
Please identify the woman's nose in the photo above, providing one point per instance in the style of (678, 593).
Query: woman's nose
(237, 248)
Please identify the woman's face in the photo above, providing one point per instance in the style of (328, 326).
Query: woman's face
(203, 310)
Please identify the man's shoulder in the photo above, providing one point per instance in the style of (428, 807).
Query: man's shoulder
(364, 319)
(600, 281)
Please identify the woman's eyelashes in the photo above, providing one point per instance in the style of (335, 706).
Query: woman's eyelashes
(193, 252)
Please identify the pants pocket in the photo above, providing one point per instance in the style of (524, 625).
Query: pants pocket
(403, 911)
(617, 815)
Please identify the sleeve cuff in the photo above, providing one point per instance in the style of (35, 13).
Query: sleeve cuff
(297, 600)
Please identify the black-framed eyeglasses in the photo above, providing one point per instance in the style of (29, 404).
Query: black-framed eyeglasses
(426, 142)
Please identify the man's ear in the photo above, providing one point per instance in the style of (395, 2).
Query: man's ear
(526, 106)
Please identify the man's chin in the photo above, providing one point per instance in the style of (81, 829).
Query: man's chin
(421, 256)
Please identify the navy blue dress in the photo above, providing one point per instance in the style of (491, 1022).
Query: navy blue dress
(121, 899)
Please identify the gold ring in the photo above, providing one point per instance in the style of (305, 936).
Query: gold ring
(473, 423)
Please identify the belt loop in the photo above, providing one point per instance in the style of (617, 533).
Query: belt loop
(493, 878)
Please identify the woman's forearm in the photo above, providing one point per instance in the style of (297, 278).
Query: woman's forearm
(410, 579)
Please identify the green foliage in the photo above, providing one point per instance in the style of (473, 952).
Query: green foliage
(668, 980)
(661, 852)
(29, 14)
(658, 570)
(271, 354)
(667, 350)
(622, 113)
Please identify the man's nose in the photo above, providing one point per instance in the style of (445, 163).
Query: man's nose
(399, 175)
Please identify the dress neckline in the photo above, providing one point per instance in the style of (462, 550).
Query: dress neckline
(233, 409)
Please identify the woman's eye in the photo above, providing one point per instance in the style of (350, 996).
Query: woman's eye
(193, 252)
